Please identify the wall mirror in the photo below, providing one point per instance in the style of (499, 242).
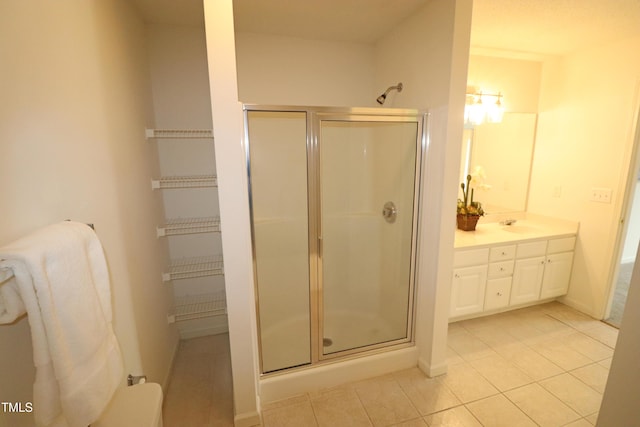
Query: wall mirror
(502, 154)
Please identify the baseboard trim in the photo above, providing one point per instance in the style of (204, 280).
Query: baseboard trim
(167, 377)
(583, 308)
(248, 419)
(432, 370)
(186, 334)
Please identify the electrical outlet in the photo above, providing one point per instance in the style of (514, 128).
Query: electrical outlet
(601, 195)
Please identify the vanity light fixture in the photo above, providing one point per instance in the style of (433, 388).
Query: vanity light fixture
(476, 111)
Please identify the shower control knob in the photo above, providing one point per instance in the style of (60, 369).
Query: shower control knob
(389, 212)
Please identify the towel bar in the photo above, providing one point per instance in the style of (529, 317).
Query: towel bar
(7, 273)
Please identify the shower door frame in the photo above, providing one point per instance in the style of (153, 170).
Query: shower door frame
(314, 117)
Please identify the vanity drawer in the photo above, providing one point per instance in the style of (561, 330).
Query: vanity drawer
(561, 245)
(501, 253)
(533, 249)
(470, 257)
(500, 269)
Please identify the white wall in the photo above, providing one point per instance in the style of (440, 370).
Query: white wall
(444, 39)
(278, 70)
(423, 53)
(584, 140)
(75, 102)
(518, 80)
(234, 208)
(429, 53)
(179, 77)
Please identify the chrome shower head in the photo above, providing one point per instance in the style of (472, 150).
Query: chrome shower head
(380, 100)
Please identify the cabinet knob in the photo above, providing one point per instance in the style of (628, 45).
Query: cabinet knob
(499, 294)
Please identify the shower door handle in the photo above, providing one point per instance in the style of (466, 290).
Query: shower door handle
(389, 212)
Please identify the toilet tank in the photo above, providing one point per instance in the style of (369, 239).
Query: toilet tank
(137, 406)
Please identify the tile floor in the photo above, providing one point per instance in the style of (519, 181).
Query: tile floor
(620, 294)
(540, 366)
(200, 388)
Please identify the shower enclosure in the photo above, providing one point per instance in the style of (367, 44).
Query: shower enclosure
(334, 209)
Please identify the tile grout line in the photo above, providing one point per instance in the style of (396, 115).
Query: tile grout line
(594, 361)
(313, 409)
(533, 348)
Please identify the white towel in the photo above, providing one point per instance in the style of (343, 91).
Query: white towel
(11, 305)
(62, 279)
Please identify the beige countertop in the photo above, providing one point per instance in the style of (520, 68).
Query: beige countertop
(530, 228)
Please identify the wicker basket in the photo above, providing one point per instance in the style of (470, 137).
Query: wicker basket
(467, 222)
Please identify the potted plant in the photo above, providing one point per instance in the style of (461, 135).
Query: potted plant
(468, 211)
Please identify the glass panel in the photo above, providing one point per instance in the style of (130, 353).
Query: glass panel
(278, 172)
(367, 178)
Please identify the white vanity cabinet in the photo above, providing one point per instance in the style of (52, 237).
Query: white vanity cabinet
(469, 282)
(543, 270)
(501, 276)
(528, 272)
(557, 268)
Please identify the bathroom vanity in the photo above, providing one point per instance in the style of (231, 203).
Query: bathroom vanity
(501, 267)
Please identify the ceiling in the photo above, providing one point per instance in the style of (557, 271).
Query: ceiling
(541, 27)
(552, 27)
(362, 21)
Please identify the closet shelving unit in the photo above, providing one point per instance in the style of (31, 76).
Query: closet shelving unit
(185, 181)
(181, 226)
(193, 307)
(190, 268)
(201, 305)
(179, 133)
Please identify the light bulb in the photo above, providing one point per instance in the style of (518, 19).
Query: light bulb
(495, 112)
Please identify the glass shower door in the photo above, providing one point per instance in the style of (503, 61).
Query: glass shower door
(278, 184)
(367, 180)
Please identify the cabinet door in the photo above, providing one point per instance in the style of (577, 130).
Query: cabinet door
(498, 292)
(527, 280)
(467, 290)
(557, 273)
